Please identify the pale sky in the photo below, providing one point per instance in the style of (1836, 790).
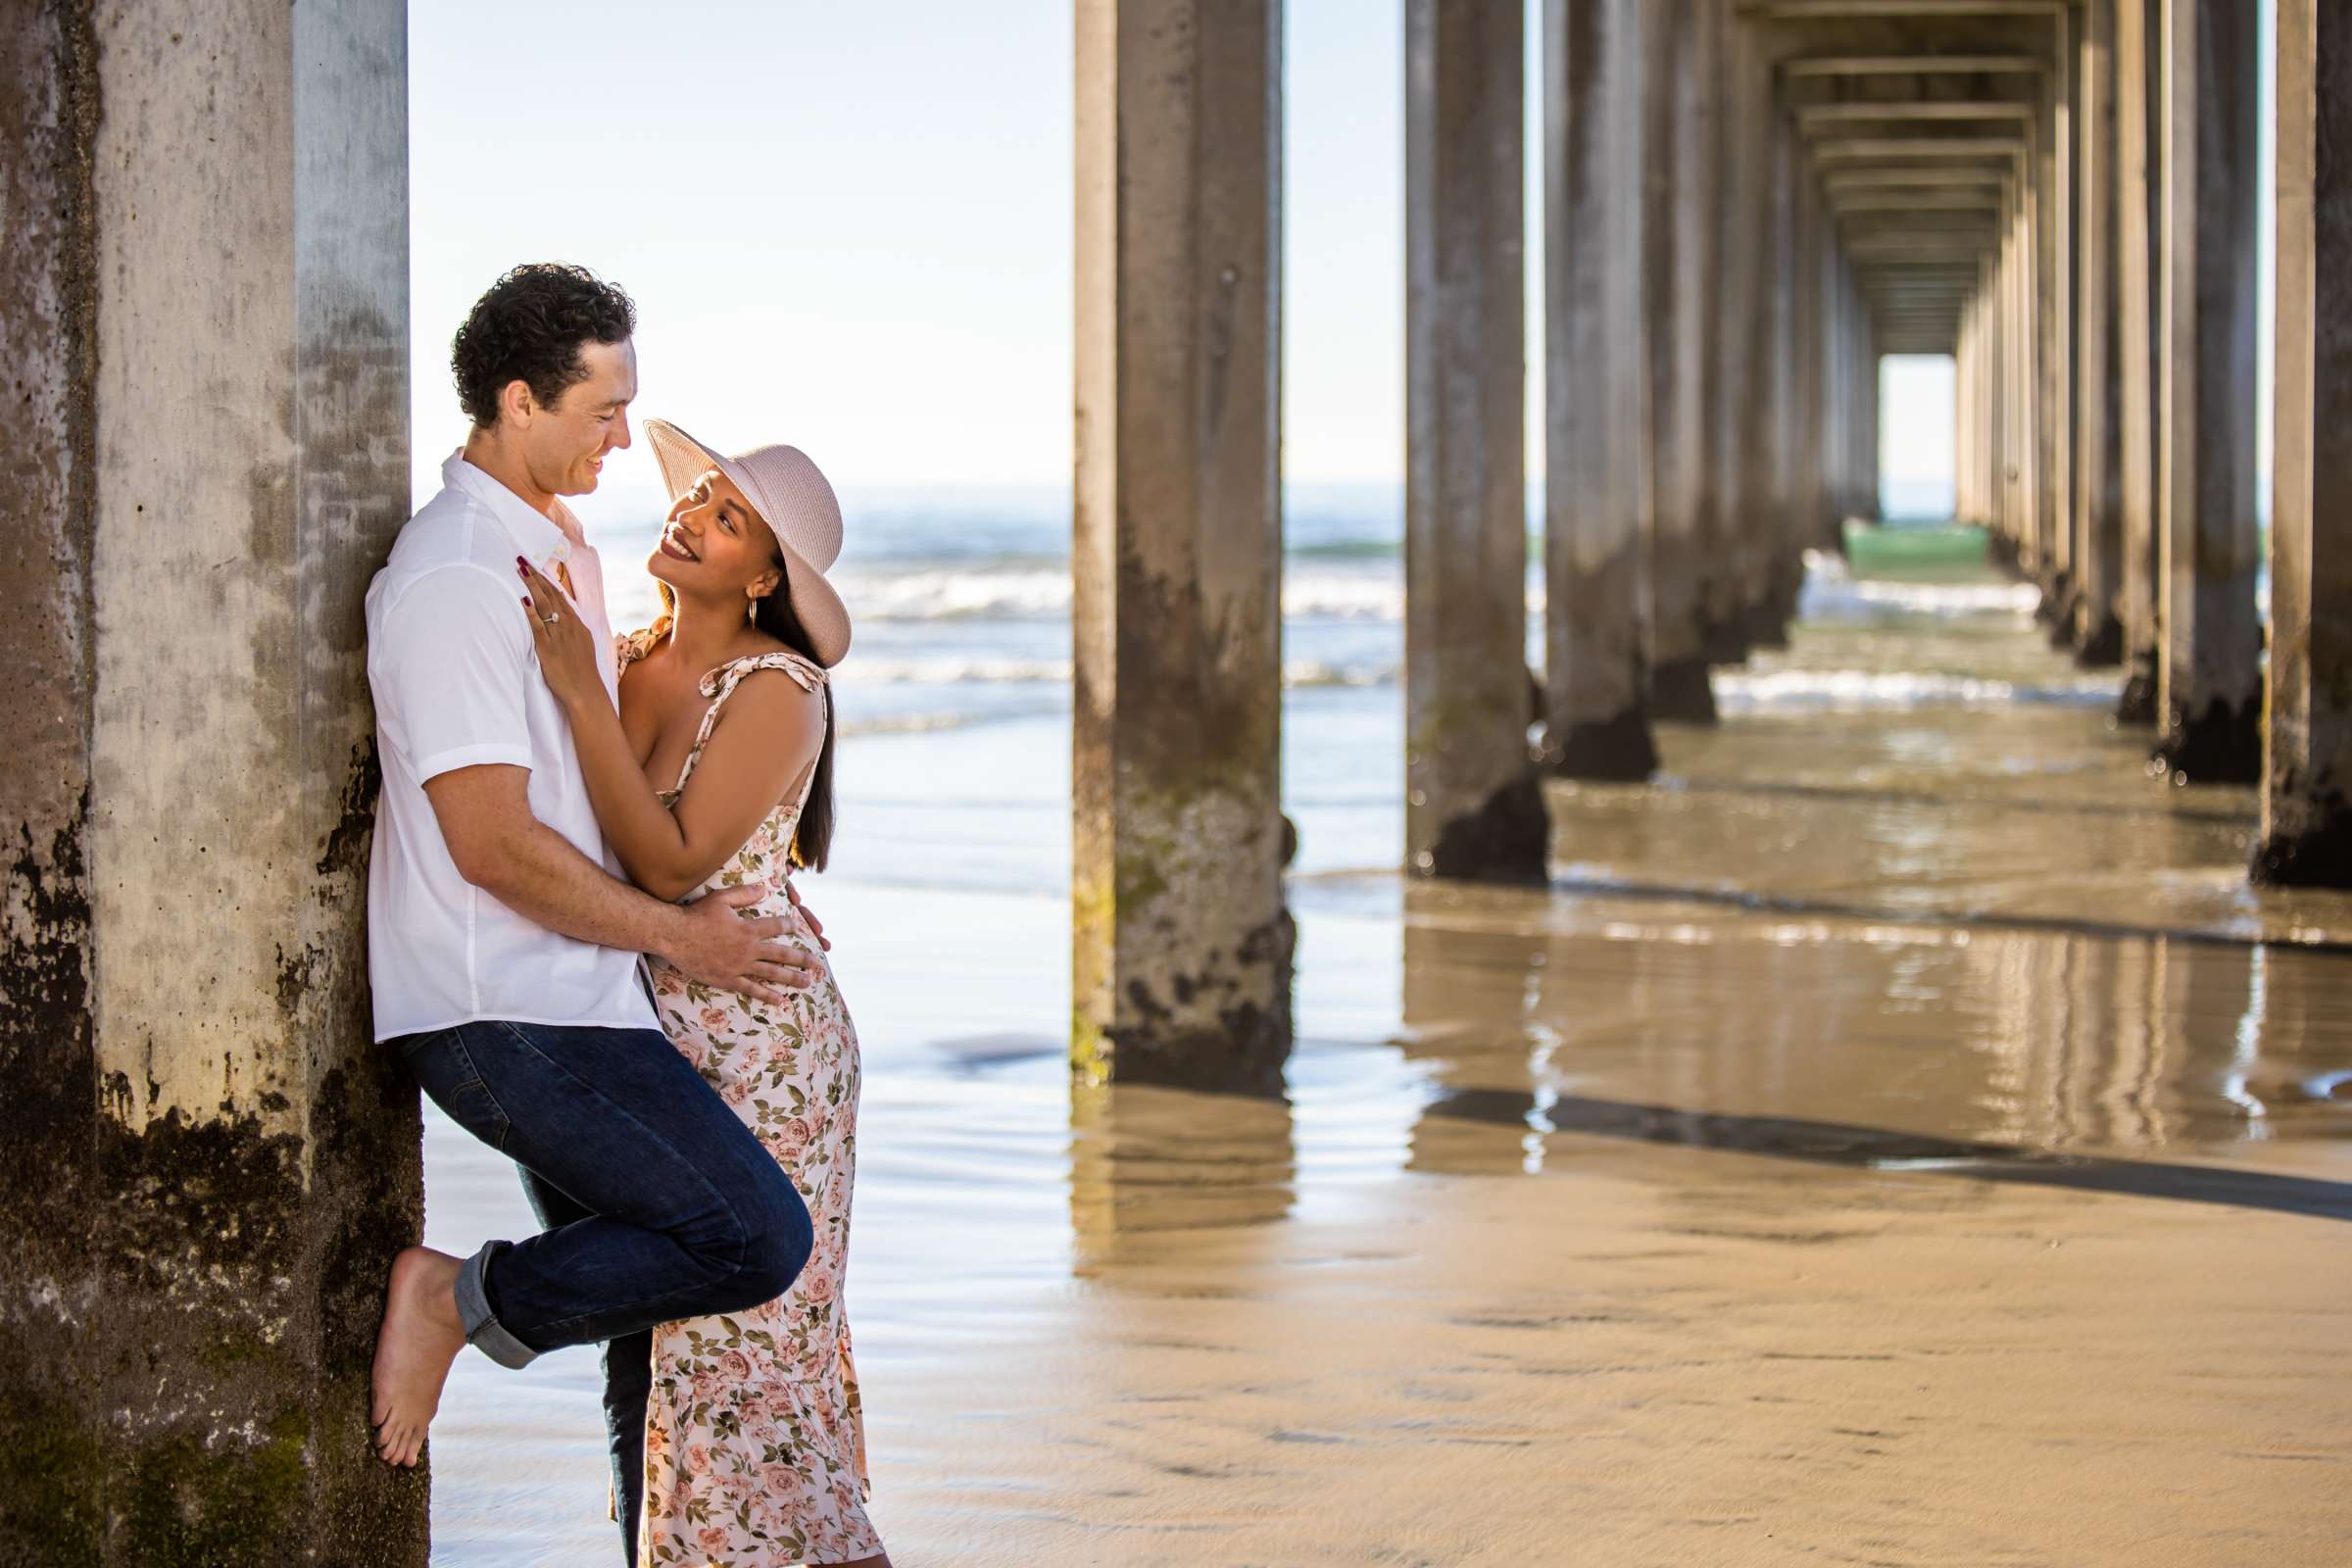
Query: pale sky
(849, 227)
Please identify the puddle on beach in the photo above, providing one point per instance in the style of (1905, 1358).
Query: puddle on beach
(1881, 1059)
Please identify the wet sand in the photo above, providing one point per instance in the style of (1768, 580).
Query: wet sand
(1821, 1172)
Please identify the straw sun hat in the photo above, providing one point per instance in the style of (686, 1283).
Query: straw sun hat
(793, 498)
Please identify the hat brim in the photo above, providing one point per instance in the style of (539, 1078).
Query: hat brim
(822, 615)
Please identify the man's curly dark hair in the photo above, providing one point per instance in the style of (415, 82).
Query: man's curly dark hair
(529, 326)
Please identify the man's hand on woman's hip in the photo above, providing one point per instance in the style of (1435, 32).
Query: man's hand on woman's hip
(721, 947)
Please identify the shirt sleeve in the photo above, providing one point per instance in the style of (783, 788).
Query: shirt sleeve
(450, 661)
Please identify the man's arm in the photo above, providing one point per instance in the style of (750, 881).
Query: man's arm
(500, 846)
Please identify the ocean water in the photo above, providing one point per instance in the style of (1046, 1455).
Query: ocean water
(960, 600)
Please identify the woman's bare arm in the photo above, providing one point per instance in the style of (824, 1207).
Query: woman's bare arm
(767, 734)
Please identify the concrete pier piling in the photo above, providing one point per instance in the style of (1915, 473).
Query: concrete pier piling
(207, 1163)
(2307, 798)
(1473, 806)
(2209, 681)
(2097, 627)
(1181, 940)
(2139, 277)
(1771, 595)
(1741, 87)
(1596, 676)
(1679, 273)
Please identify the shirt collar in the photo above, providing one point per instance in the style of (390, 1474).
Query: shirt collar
(542, 540)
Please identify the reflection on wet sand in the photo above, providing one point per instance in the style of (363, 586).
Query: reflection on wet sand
(2026, 1041)
(1147, 1161)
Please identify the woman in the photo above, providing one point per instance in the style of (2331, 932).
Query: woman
(718, 772)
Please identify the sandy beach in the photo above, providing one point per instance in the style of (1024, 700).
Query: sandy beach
(1882, 1144)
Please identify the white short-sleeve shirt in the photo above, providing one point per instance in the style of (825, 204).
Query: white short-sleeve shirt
(456, 684)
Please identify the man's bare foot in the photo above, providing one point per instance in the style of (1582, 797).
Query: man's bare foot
(420, 1336)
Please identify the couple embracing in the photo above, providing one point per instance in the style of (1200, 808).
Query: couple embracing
(584, 941)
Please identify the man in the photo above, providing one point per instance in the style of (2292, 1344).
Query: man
(502, 945)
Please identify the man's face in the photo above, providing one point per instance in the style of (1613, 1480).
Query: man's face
(564, 446)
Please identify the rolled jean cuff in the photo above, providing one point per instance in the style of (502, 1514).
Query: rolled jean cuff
(483, 1331)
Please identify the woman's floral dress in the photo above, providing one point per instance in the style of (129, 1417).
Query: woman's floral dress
(755, 1445)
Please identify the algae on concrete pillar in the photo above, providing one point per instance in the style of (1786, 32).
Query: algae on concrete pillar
(2098, 524)
(1182, 945)
(2209, 681)
(1473, 805)
(1596, 719)
(2307, 800)
(2139, 273)
(1680, 282)
(208, 1164)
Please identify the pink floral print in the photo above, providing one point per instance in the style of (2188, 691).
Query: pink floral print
(755, 1445)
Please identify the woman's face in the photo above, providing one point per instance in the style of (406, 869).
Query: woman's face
(714, 544)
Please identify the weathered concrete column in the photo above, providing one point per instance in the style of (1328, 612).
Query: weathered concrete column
(1993, 308)
(1862, 443)
(1740, 95)
(1831, 433)
(2001, 403)
(1993, 296)
(2052, 172)
(1807, 356)
(1755, 310)
(1861, 375)
(2097, 630)
(1791, 421)
(2021, 394)
(2139, 274)
(1181, 945)
(2307, 802)
(1680, 286)
(1473, 806)
(2209, 683)
(1964, 416)
(207, 1163)
(1598, 589)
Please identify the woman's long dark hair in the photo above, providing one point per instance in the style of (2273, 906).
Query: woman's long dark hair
(813, 835)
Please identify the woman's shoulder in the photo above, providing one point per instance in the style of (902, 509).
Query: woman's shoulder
(631, 646)
(796, 675)
(761, 652)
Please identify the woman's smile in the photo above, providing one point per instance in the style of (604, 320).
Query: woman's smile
(675, 545)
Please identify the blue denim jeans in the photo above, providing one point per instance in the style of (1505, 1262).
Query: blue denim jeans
(670, 1208)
